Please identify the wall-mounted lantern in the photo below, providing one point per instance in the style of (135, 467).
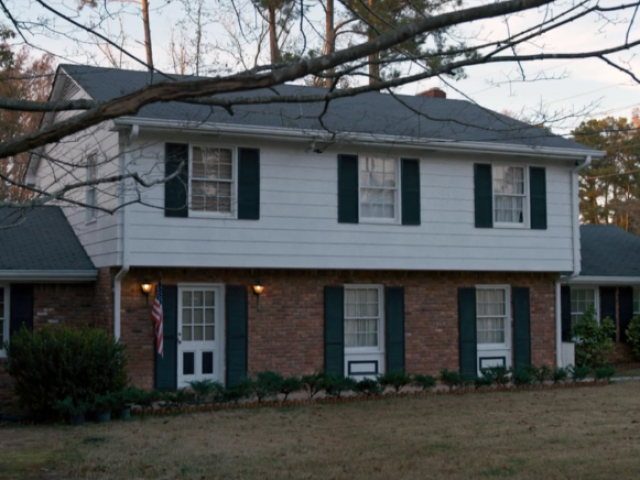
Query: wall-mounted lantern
(146, 286)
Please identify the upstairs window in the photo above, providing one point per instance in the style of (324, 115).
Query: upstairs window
(509, 195)
(212, 179)
(379, 188)
(92, 190)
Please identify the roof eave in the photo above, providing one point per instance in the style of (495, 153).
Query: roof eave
(44, 276)
(259, 132)
(604, 280)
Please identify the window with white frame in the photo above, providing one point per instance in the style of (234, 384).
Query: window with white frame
(379, 188)
(212, 179)
(4, 317)
(509, 194)
(581, 300)
(492, 314)
(92, 190)
(636, 300)
(362, 307)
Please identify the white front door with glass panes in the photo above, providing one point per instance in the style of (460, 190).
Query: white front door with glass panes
(200, 334)
(363, 331)
(493, 326)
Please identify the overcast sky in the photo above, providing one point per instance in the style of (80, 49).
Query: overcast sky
(570, 86)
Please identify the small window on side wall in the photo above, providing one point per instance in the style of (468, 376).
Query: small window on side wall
(582, 299)
(92, 190)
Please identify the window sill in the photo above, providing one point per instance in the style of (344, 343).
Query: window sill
(373, 221)
(364, 350)
(198, 214)
(518, 226)
(492, 346)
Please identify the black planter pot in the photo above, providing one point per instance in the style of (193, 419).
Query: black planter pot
(124, 413)
(77, 420)
(103, 417)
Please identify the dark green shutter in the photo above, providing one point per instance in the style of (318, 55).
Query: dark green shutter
(237, 334)
(483, 194)
(625, 309)
(176, 201)
(608, 305)
(348, 189)
(167, 365)
(468, 344)
(394, 328)
(521, 327)
(334, 330)
(565, 313)
(20, 307)
(248, 183)
(410, 191)
(538, 192)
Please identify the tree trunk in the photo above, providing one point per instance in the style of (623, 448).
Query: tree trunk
(330, 42)
(273, 38)
(374, 58)
(147, 33)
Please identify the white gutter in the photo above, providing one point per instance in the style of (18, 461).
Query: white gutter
(117, 282)
(559, 361)
(65, 276)
(368, 139)
(599, 280)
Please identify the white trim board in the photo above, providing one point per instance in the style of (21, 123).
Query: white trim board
(66, 276)
(587, 280)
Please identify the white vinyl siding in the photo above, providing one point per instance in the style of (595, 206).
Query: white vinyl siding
(492, 315)
(298, 225)
(581, 300)
(362, 307)
(92, 190)
(509, 195)
(378, 188)
(212, 179)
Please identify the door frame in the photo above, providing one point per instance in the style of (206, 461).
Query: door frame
(221, 343)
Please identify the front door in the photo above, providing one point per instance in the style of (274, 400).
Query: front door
(200, 334)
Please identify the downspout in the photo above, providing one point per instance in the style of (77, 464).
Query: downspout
(575, 224)
(117, 283)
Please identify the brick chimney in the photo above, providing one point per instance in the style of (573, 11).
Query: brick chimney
(434, 92)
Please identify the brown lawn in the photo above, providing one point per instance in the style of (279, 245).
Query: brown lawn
(584, 433)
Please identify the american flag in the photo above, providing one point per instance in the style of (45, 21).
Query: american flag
(156, 315)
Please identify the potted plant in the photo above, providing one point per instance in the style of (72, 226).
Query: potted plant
(103, 404)
(123, 401)
(73, 410)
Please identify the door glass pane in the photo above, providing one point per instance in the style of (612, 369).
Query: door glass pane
(198, 333)
(186, 334)
(197, 316)
(209, 315)
(207, 363)
(186, 299)
(209, 299)
(197, 299)
(209, 333)
(186, 316)
(188, 363)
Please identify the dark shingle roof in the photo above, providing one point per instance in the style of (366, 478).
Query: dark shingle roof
(42, 239)
(375, 113)
(609, 251)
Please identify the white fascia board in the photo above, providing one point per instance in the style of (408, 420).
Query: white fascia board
(366, 139)
(594, 280)
(64, 276)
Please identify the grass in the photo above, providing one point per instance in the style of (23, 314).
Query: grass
(585, 433)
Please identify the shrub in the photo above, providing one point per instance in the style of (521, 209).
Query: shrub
(499, 374)
(204, 389)
(578, 373)
(368, 386)
(397, 379)
(239, 391)
(103, 403)
(559, 374)
(50, 364)
(425, 382)
(69, 408)
(593, 340)
(266, 384)
(606, 371)
(334, 385)
(452, 378)
(290, 385)
(313, 383)
(540, 374)
(633, 336)
(521, 377)
(483, 381)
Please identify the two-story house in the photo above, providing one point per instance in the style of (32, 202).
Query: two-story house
(382, 231)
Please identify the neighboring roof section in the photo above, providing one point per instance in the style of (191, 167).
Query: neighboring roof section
(368, 113)
(40, 240)
(609, 251)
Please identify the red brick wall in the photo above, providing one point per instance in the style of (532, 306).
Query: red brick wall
(286, 332)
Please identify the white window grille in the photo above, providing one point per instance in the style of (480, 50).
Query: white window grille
(212, 182)
(378, 188)
(362, 307)
(509, 194)
(492, 315)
